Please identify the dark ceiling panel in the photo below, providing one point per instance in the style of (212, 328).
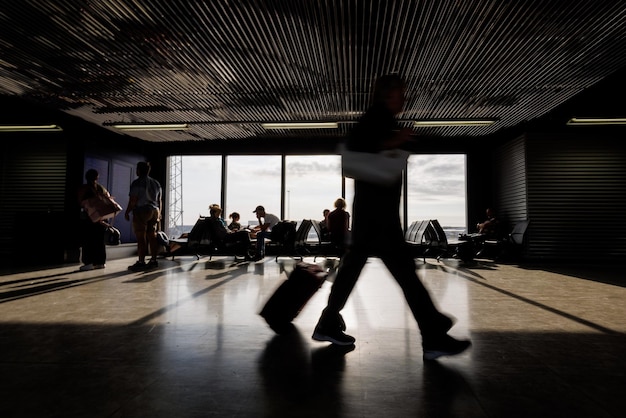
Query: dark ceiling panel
(226, 66)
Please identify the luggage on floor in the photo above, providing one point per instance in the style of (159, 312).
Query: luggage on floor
(291, 296)
(112, 236)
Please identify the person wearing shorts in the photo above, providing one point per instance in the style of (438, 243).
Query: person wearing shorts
(145, 204)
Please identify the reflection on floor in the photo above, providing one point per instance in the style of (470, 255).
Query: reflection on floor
(186, 340)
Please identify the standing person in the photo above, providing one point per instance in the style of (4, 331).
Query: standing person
(145, 204)
(263, 230)
(377, 131)
(339, 225)
(92, 233)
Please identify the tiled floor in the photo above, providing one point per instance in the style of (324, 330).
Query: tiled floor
(186, 341)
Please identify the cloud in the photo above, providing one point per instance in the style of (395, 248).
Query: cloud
(314, 166)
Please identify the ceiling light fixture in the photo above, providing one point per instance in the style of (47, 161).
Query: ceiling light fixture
(30, 128)
(301, 125)
(453, 122)
(597, 121)
(152, 127)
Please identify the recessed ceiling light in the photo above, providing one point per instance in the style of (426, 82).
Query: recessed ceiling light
(152, 126)
(597, 121)
(30, 128)
(301, 125)
(453, 122)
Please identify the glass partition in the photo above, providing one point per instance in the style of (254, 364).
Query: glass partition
(436, 190)
(253, 180)
(312, 184)
(201, 185)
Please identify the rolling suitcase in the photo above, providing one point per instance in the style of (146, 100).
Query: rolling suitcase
(291, 296)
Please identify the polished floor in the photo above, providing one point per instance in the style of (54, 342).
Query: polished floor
(186, 340)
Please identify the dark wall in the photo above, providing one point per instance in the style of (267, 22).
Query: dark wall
(32, 198)
(576, 196)
(39, 176)
(572, 188)
(509, 180)
(479, 178)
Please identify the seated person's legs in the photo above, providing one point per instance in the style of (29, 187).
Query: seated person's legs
(240, 240)
(260, 242)
(465, 251)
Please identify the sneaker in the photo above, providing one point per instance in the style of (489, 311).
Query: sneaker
(99, 266)
(337, 336)
(331, 320)
(138, 266)
(86, 267)
(152, 264)
(444, 346)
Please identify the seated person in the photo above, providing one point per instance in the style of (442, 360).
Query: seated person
(324, 226)
(264, 229)
(339, 225)
(490, 227)
(239, 240)
(472, 245)
(475, 243)
(234, 225)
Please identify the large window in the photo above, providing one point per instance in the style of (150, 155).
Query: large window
(435, 187)
(202, 185)
(252, 181)
(312, 184)
(436, 190)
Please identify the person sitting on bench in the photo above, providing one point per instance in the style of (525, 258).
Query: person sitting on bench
(473, 244)
(238, 240)
(490, 227)
(263, 230)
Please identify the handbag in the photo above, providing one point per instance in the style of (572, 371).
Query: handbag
(101, 207)
(112, 236)
(163, 239)
(383, 168)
